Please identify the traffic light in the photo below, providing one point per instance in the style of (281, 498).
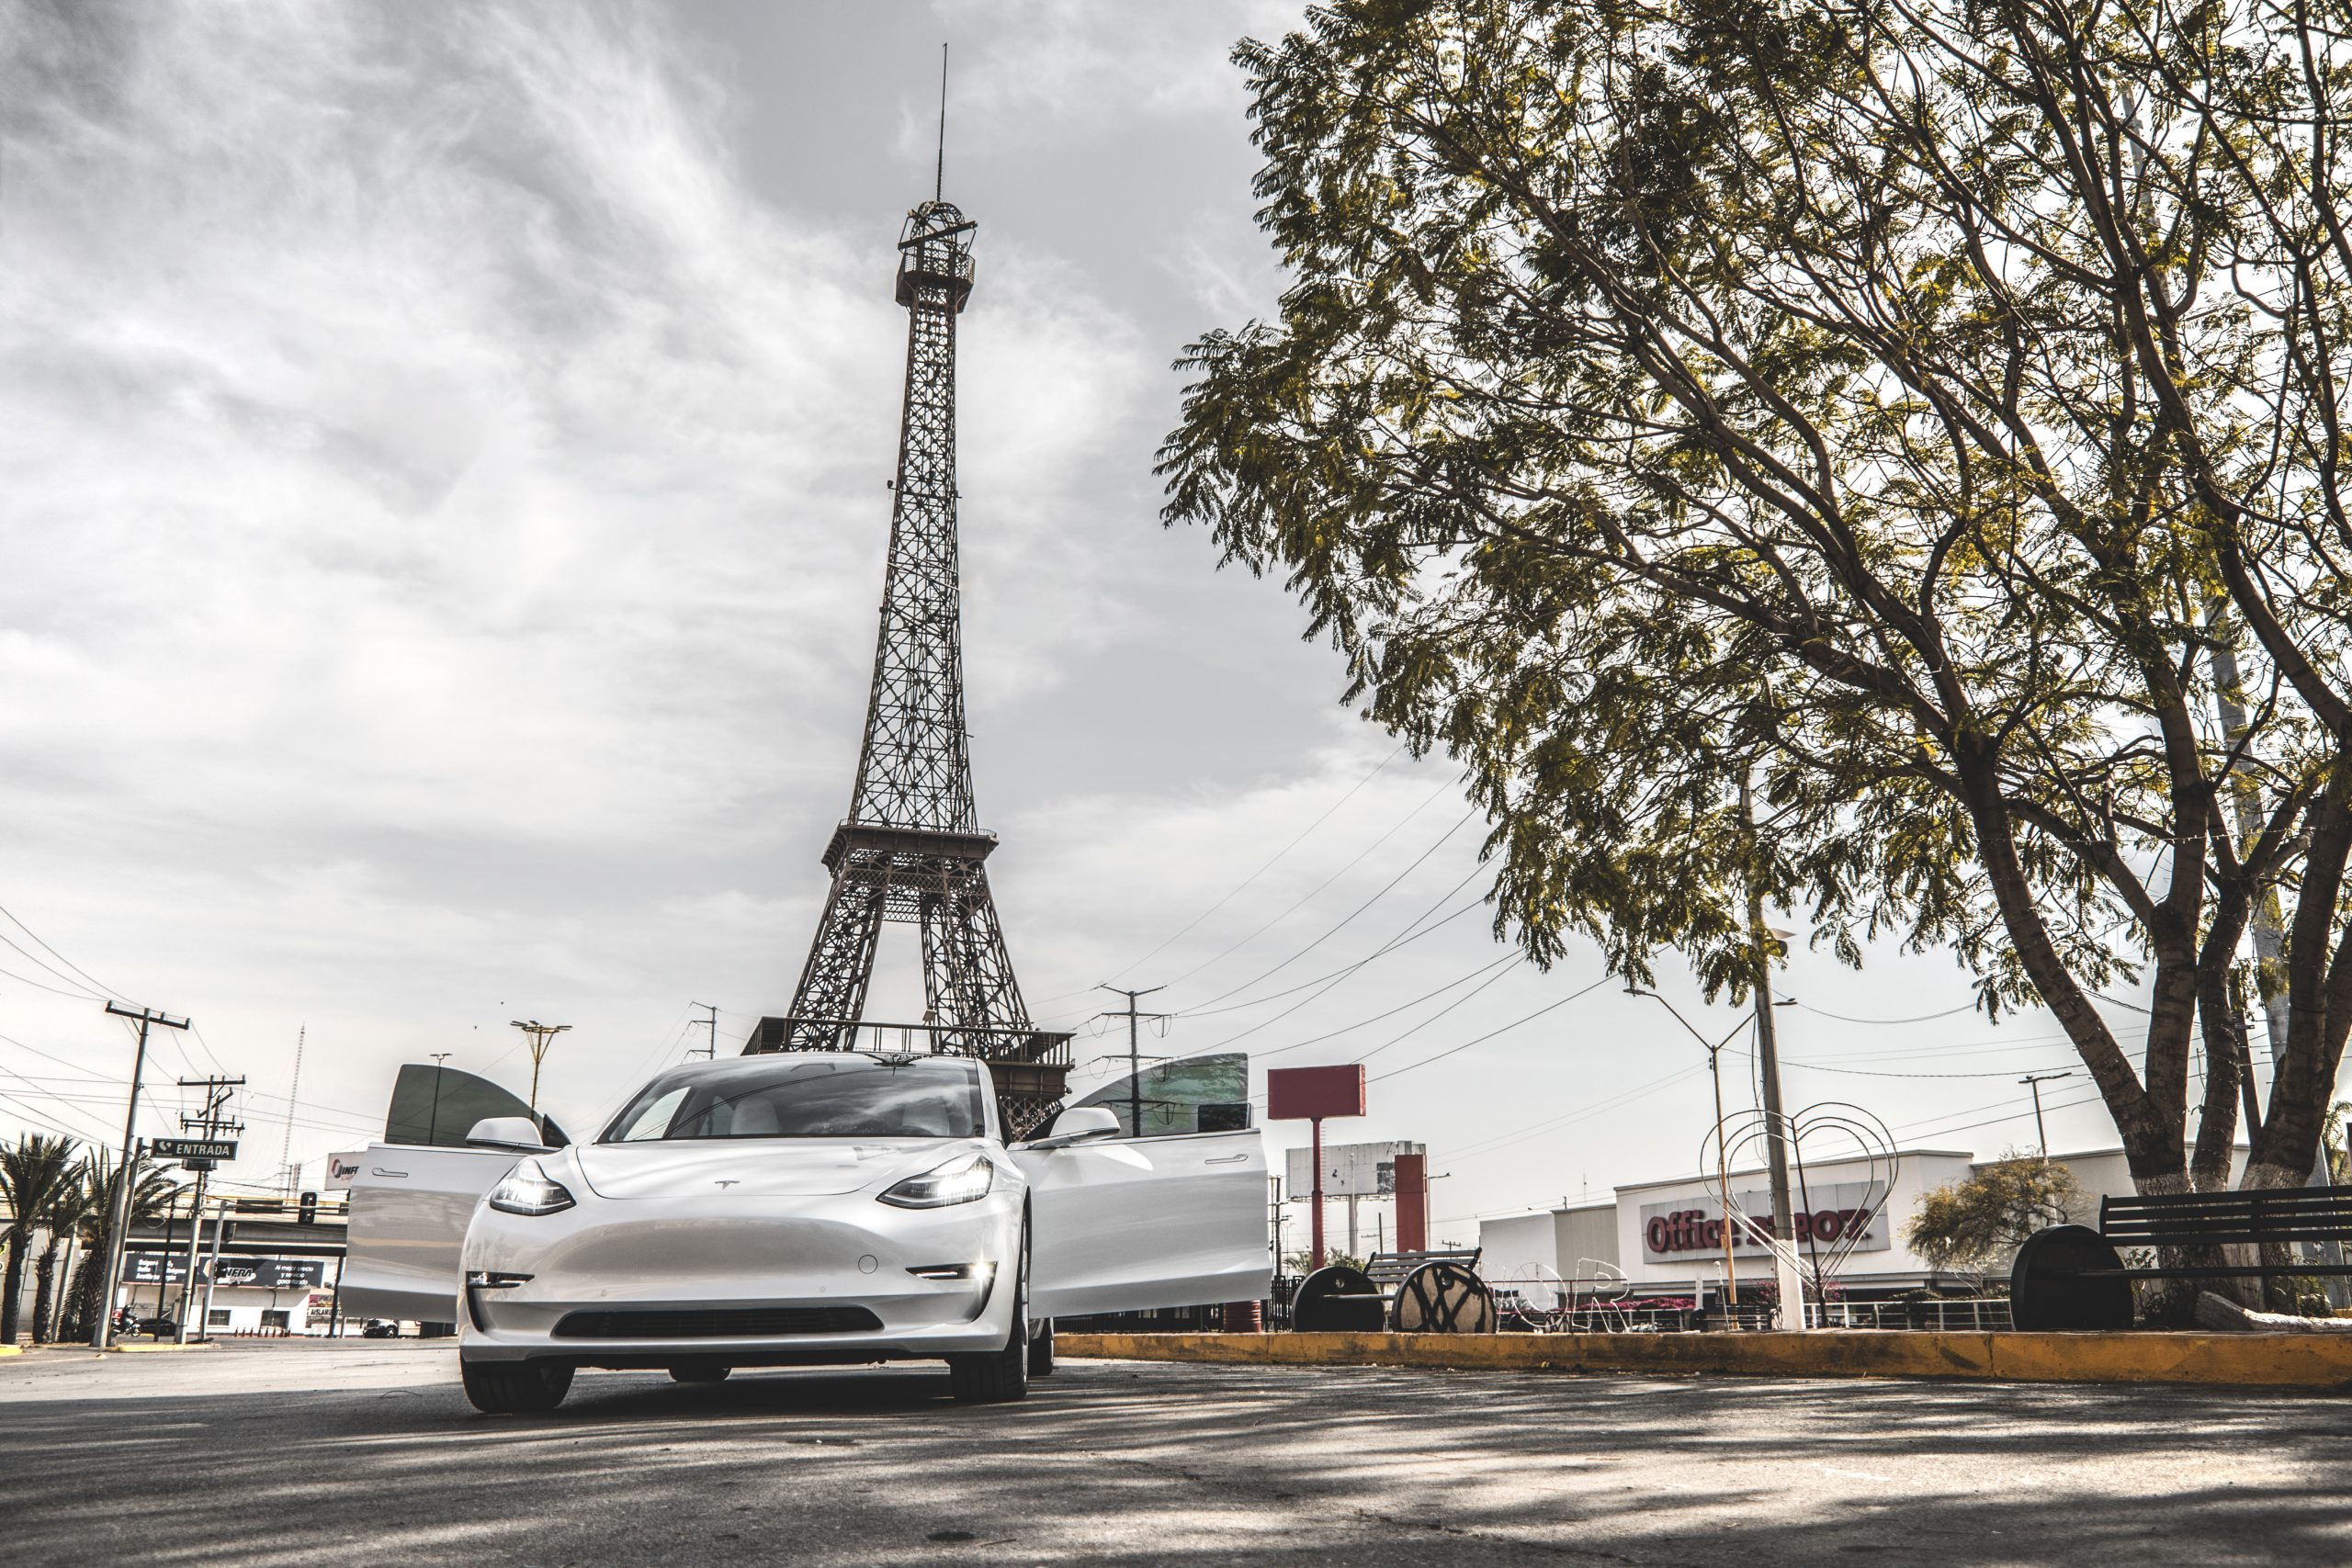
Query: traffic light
(308, 1215)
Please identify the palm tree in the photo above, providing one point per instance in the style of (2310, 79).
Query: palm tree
(60, 1220)
(151, 1199)
(30, 1176)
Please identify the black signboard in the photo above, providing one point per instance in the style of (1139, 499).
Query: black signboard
(193, 1148)
(252, 1273)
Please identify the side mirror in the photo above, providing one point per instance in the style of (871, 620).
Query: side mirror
(511, 1133)
(1078, 1124)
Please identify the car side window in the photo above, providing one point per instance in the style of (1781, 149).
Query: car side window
(655, 1120)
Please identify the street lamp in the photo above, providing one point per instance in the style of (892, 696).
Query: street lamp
(2034, 1082)
(1722, 1165)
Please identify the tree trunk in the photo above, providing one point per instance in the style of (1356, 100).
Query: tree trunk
(12, 1289)
(45, 1291)
(81, 1301)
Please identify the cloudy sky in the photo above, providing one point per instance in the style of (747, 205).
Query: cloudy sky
(442, 452)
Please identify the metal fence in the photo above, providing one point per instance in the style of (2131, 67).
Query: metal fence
(1978, 1315)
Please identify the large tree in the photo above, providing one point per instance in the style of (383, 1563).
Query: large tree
(1925, 412)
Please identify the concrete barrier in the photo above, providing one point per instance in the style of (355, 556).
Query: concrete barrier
(2318, 1361)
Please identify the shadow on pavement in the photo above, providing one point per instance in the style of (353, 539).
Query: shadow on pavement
(1129, 1463)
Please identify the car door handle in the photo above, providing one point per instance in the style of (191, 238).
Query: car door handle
(380, 1170)
(1224, 1160)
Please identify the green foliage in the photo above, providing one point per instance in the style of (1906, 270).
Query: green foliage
(1972, 1221)
(34, 1173)
(1925, 416)
(1303, 1262)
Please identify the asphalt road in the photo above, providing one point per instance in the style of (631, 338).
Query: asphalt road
(364, 1452)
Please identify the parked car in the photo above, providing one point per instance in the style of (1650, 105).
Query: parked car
(380, 1328)
(798, 1208)
(161, 1327)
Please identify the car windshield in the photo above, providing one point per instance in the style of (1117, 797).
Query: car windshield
(778, 1097)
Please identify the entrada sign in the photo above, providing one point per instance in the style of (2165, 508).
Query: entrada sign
(193, 1148)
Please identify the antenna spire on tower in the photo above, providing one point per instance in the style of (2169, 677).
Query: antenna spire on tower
(939, 170)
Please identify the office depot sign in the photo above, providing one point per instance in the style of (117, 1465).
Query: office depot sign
(1850, 1214)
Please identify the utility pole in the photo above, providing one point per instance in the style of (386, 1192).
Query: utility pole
(126, 1176)
(1776, 1121)
(2034, 1082)
(542, 1036)
(709, 1052)
(212, 1121)
(1135, 1053)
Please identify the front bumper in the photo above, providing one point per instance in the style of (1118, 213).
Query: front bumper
(794, 1269)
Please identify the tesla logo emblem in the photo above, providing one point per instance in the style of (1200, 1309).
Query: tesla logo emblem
(730, 1181)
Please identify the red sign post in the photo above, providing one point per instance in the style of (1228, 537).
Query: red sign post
(1309, 1094)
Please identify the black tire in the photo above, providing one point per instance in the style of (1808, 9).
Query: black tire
(1040, 1348)
(514, 1388)
(700, 1370)
(999, 1377)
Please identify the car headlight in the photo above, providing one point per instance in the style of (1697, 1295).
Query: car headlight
(529, 1189)
(961, 1181)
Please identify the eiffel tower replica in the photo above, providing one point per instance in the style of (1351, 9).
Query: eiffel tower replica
(912, 849)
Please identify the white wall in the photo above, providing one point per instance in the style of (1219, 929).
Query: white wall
(1513, 1246)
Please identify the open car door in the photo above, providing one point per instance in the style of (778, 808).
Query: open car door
(1129, 1223)
(410, 1207)
(415, 1191)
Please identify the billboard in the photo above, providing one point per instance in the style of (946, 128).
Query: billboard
(255, 1273)
(1302, 1094)
(1350, 1170)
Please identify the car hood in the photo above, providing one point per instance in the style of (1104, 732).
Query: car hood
(754, 1167)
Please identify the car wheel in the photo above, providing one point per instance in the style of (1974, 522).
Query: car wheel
(699, 1370)
(997, 1377)
(1040, 1348)
(514, 1388)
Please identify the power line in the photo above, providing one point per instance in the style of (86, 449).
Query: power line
(1400, 1007)
(45, 965)
(1346, 969)
(52, 990)
(1312, 893)
(1506, 1029)
(1923, 1018)
(69, 964)
(1240, 887)
(1385, 889)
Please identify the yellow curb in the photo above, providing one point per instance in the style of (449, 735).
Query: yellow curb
(151, 1350)
(11, 1350)
(2278, 1360)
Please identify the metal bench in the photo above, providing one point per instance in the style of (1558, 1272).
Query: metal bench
(2071, 1276)
(1435, 1292)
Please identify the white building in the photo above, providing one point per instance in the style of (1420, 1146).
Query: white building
(1665, 1237)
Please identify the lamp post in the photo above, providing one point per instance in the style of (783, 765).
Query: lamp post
(2034, 1082)
(1723, 1164)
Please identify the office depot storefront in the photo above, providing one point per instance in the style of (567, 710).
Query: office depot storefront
(1670, 1234)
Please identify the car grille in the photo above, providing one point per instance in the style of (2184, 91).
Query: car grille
(715, 1323)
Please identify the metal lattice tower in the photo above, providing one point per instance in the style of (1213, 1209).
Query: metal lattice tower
(911, 849)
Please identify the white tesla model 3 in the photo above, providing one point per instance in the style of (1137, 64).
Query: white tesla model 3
(796, 1208)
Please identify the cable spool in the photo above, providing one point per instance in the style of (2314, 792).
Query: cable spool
(1337, 1300)
(1442, 1298)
